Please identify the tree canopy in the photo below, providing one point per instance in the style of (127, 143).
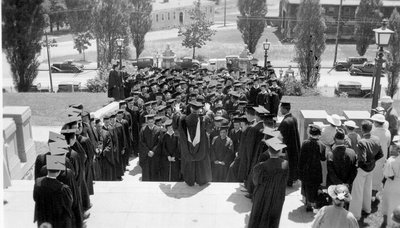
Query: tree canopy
(393, 64)
(310, 30)
(140, 23)
(198, 31)
(22, 30)
(251, 22)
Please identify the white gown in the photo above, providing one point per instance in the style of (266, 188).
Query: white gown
(391, 191)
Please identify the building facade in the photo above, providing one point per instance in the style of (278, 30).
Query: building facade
(169, 14)
(330, 9)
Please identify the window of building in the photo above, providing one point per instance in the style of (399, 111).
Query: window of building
(162, 17)
(181, 17)
(210, 9)
(156, 17)
(168, 16)
(174, 15)
(330, 10)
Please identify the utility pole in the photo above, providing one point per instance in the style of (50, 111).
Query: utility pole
(225, 13)
(337, 31)
(48, 62)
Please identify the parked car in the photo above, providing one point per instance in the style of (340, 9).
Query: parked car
(69, 87)
(67, 67)
(345, 65)
(366, 68)
(143, 62)
(352, 89)
(187, 63)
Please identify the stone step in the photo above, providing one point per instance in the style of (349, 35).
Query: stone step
(132, 203)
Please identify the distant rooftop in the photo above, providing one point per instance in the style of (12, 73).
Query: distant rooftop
(171, 4)
(348, 2)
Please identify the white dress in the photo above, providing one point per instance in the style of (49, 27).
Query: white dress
(391, 191)
(384, 139)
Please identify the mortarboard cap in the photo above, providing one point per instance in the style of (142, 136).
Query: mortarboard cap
(196, 104)
(271, 132)
(161, 108)
(129, 99)
(120, 111)
(77, 106)
(122, 102)
(55, 137)
(85, 114)
(72, 119)
(219, 118)
(59, 147)
(150, 116)
(68, 131)
(74, 112)
(275, 145)
(158, 118)
(225, 126)
(55, 162)
(261, 110)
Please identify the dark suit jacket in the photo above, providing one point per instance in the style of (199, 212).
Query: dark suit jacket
(368, 151)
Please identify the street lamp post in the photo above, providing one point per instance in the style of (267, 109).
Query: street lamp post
(120, 41)
(382, 37)
(266, 46)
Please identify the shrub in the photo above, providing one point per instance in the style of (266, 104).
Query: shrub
(291, 87)
(99, 84)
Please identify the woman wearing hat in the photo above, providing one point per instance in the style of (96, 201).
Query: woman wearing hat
(391, 191)
(384, 136)
(312, 152)
(335, 215)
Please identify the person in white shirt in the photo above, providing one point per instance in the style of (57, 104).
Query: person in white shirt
(384, 136)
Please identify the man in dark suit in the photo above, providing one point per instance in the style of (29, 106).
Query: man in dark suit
(115, 89)
(290, 136)
(391, 115)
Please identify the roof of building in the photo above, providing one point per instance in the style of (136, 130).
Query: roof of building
(171, 4)
(386, 3)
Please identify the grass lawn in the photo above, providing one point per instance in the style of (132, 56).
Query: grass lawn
(48, 108)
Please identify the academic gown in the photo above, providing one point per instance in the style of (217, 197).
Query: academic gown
(115, 150)
(67, 177)
(290, 133)
(264, 99)
(122, 147)
(127, 142)
(83, 185)
(235, 137)
(170, 171)
(90, 152)
(53, 203)
(270, 179)
(149, 141)
(247, 139)
(115, 89)
(221, 150)
(310, 169)
(107, 156)
(135, 130)
(262, 150)
(195, 165)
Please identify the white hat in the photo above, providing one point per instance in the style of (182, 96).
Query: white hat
(350, 123)
(340, 192)
(378, 118)
(386, 99)
(334, 120)
(396, 138)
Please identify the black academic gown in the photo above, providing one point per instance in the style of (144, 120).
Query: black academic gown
(135, 130)
(221, 150)
(107, 156)
(66, 177)
(149, 141)
(247, 139)
(290, 133)
(170, 171)
(127, 141)
(90, 152)
(270, 179)
(195, 166)
(53, 203)
(122, 145)
(254, 152)
(235, 137)
(82, 178)
(115, 89)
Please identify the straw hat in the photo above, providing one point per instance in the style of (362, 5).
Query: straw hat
(334, 120)
(340, 192)
(350, 123)
(378, 118)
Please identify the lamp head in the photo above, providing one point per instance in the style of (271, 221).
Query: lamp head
(382, 34)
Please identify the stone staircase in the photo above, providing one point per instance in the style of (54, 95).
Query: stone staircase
(132, 203)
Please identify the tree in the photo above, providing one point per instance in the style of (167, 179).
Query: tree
(82, 42)
(22, 30)
(393, 64)
(110, 22)
(367, 18)
(140, 23)
(198, 32)
(78, 15)
(310, 30)
(251, 22)
(56, 10)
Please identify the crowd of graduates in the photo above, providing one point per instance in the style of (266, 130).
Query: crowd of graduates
(199, 126)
